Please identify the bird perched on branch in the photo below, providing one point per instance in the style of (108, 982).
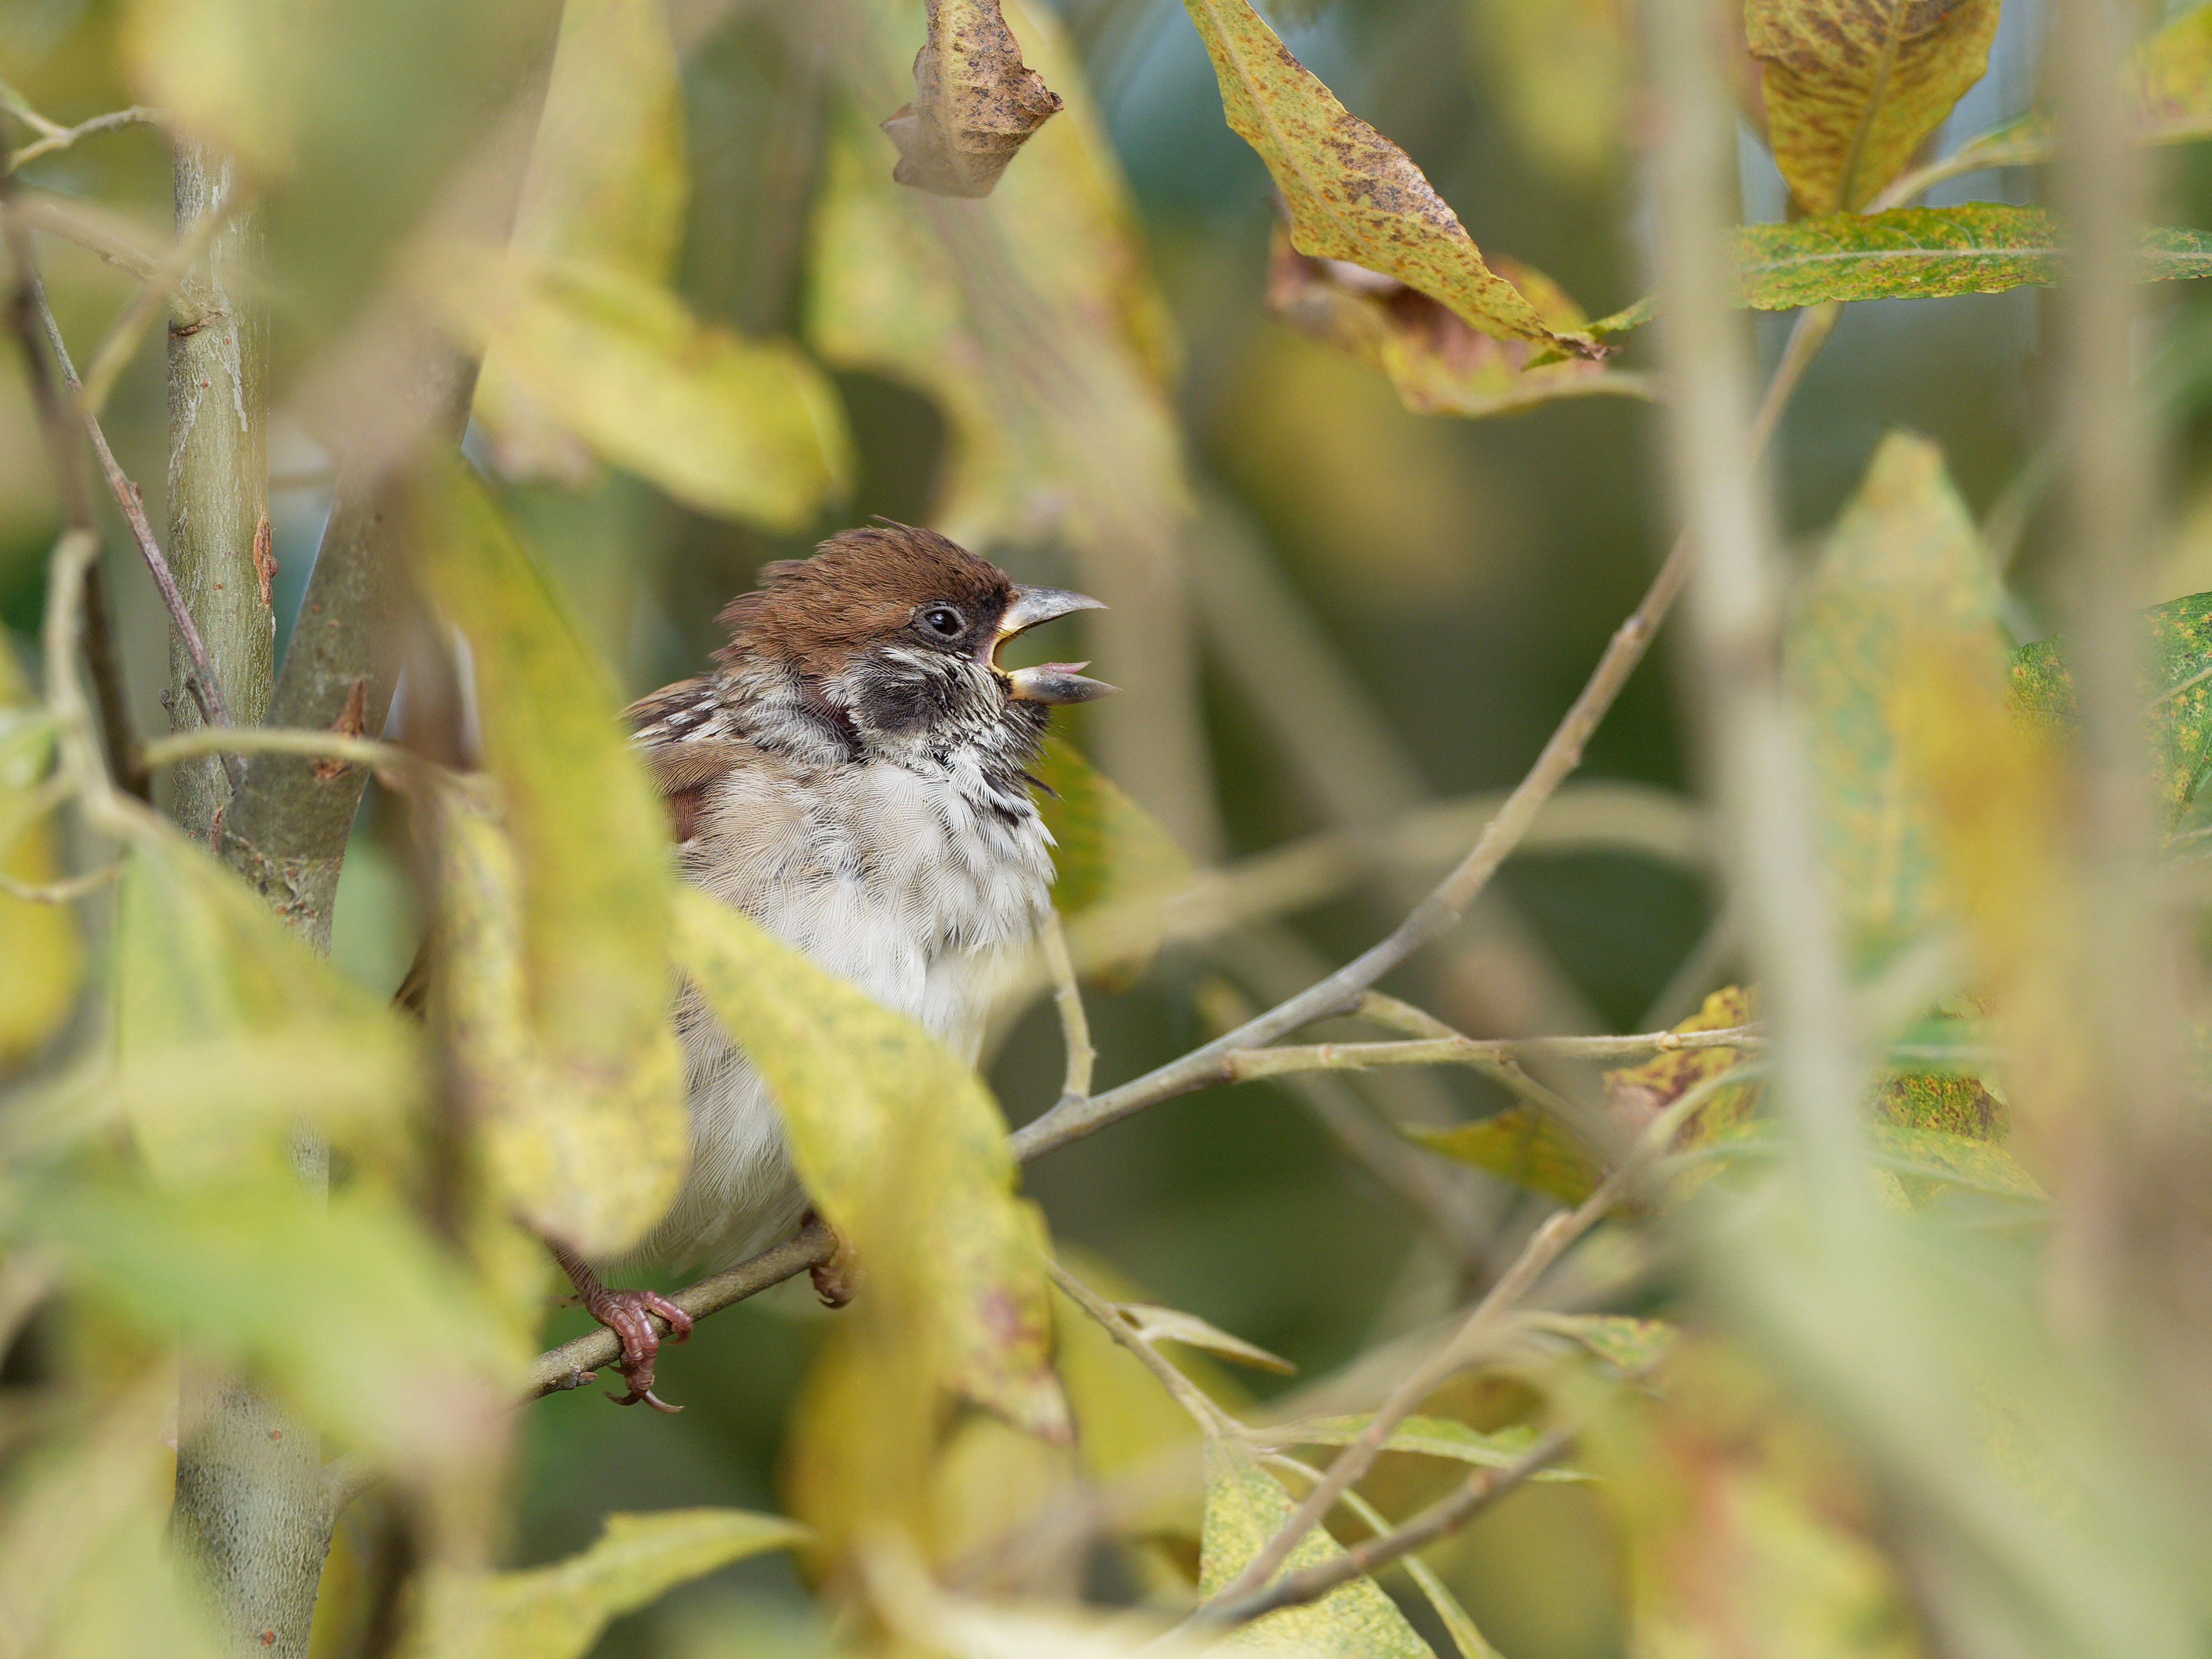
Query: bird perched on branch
(851, 774)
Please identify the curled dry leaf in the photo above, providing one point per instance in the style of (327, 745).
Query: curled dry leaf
(1438, 362)
(1851, 87)
(1351, 193)
(975, 102)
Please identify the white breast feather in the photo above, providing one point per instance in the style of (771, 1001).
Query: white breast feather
(907, 885)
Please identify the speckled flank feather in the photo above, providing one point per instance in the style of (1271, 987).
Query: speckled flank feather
(855, 786)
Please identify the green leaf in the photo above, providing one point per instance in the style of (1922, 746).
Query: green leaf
(1904, 582)
(1106, 848)
(1351, 193)
(1526, 1146)
(581, 913)
(2176, 691)
(1930, 254)
(1956, 1103)
(974, 103)
(557, 1612)
(1430, 1437)
(1851, 87)
(1245, 1506)
(1915, 253)
(39, 942)
(745, 428)
(348, 1307)
(1952, 1160)
(1439, 365)
(230, 1033)
(1627, 1345)
(901, 1148)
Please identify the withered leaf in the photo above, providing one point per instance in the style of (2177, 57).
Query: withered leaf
(1438, 362)
(975, 102)
(1851, 87)
(1349, 191)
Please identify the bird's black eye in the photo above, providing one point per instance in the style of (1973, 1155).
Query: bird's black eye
(943, 619)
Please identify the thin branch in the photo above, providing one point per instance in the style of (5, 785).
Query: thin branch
(1466, 1051)
(1542, 1250)
(383, 758)
(1340, 991)
(58, 892)
(1447, 1515)
(1465, 1637)
(569, 1365)
(206, 689)
(64, 217)
(52, 138)
(1075, 1024)
(108, 690)
(1210, 1417)
(184, 256)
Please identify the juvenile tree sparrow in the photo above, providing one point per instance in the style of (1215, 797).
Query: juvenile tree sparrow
(850, 775)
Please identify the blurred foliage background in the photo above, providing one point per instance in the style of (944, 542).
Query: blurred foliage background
(1330, 610)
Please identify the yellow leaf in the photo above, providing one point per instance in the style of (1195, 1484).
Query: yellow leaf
(1853, 86)
(607, 183)
(901, 1148)
(1245, 1506)
(39, 942)
(1747, 1531)
(1904, 581)
(596, 1147)
(745, 428)
(1114, 866)
(1351, 193)
(557, 1612)
(231, 1034)
(227, 70)
(975, 102)
(348, 1308)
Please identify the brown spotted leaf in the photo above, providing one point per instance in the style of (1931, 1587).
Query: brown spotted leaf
(1638, 1093)
(975, 102)
(1852, 87)
(1437, 362)
(2177, 695)
(1351, 193)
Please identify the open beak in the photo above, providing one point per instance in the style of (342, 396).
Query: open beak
(1049, 682)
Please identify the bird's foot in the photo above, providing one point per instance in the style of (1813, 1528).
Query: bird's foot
(628, 1315)
(836, 1280)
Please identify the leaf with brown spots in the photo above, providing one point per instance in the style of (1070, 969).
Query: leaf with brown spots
(1852, 87)
(1351, 193)
(1638, 1093)
(975, 102)
(1438, 363)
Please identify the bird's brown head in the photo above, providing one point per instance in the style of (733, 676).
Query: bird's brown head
(900, 629)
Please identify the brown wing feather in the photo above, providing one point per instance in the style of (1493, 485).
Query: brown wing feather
(681, 730)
